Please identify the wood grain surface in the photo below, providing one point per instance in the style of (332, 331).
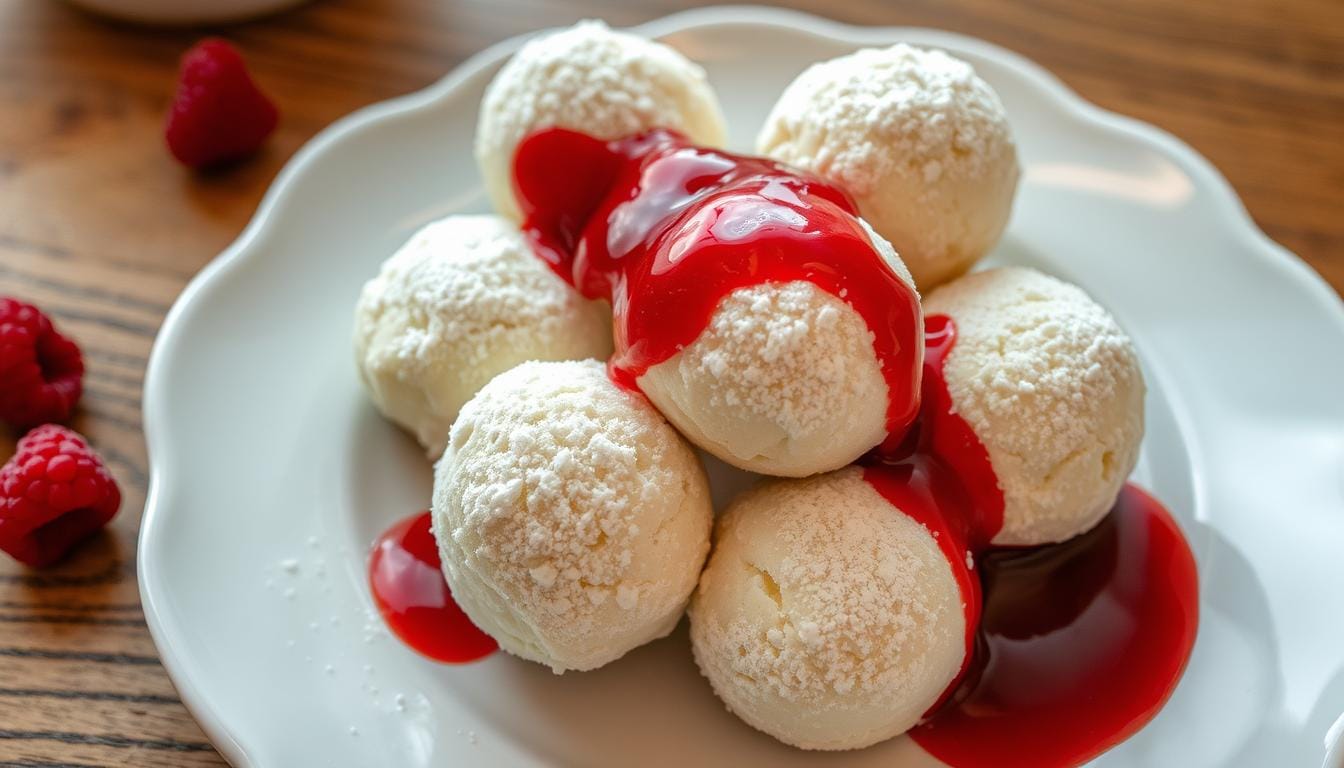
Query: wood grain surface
(101, 229)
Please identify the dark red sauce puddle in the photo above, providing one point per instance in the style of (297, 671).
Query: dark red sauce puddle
(665, 231)
(1079, 645)
(414, 599)
(1071, 648)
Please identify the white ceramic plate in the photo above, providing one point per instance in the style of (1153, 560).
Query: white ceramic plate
(264, 450)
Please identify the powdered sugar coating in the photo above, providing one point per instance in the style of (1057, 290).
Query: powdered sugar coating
(826, 617)
(591, 79)
(572, 520)
(464, 299)
(921, 142)
(1053, 388)
(783, 380)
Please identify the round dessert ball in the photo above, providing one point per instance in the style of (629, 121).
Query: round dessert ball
(572, 520)
(590, 79)
(827, 617)
(1052, 387)
(463, 300)
(783, 380)
(917, 138)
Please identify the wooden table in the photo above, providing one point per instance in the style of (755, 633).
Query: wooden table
(101, 229)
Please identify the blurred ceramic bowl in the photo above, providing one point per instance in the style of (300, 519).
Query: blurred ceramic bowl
(185, 11)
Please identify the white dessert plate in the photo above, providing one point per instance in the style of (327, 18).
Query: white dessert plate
(272, 474)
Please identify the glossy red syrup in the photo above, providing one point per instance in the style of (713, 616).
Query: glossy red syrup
(941, 476)
(1080, 644)
(665, 231)
(1071, 648)
(947, 436)
(924, 488)
(414, 598)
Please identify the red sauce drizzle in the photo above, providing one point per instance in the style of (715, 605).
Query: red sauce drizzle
(1079, 645)
(923, 487)
(1071, 648)
(415, 601)
(944, 434)
(665, 231)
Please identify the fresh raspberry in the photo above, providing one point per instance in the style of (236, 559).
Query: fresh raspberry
(41, 371)
(54, 493)
(218, 113)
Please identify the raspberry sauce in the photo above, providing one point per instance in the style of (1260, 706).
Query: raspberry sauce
(1072, 647)
(921, 486)
(948, 437)
(665, 231)
(1079, 645)
(413, 597)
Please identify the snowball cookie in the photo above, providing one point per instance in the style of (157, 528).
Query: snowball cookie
(826, 617)
(463, 300)
(572, 520)
(783, 381)
(588, 78)
(1052, 387)
(921, 143)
